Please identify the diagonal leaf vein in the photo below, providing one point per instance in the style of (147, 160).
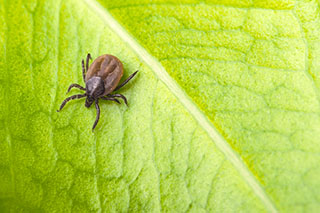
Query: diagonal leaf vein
(203, 121)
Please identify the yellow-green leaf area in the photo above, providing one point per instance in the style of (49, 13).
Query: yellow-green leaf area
(252, 67)
(152, 156)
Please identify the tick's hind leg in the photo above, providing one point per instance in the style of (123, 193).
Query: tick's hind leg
(98, 115)
(87, 64)
(126, 81)
(77, 86)
(69, 99)
(83, 71)
(119, 96)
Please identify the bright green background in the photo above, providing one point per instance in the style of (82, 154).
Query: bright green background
(252, 67)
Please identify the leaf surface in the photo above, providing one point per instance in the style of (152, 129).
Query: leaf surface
(253, 68)
(227, 121)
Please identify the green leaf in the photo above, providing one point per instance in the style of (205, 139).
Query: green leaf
(223, 114)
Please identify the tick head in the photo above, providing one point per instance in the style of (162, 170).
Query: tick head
(89, 101)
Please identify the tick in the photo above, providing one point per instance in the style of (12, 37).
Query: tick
(101, 79)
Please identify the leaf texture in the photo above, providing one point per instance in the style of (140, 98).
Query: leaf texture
(252, 68)
(249, 67)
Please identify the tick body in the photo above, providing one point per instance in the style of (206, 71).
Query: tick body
(101, 79)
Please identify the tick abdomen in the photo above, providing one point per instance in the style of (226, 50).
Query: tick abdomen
(109, 68)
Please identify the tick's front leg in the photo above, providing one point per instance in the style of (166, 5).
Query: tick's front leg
(69, 99)
(111, 99)
(77, 86)
(98, 114)
(119, 96)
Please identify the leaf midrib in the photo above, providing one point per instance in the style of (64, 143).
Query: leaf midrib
(186, 101)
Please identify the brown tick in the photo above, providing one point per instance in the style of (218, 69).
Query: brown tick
(101, 78)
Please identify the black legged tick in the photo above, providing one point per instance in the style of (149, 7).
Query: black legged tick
(101, 78)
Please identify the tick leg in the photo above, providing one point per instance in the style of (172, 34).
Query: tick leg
(111, 99)
(98, 115)
(77, 86)
(87, 64)
(119, 96)
(71, 98)
(83, 72)
(126, 81)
